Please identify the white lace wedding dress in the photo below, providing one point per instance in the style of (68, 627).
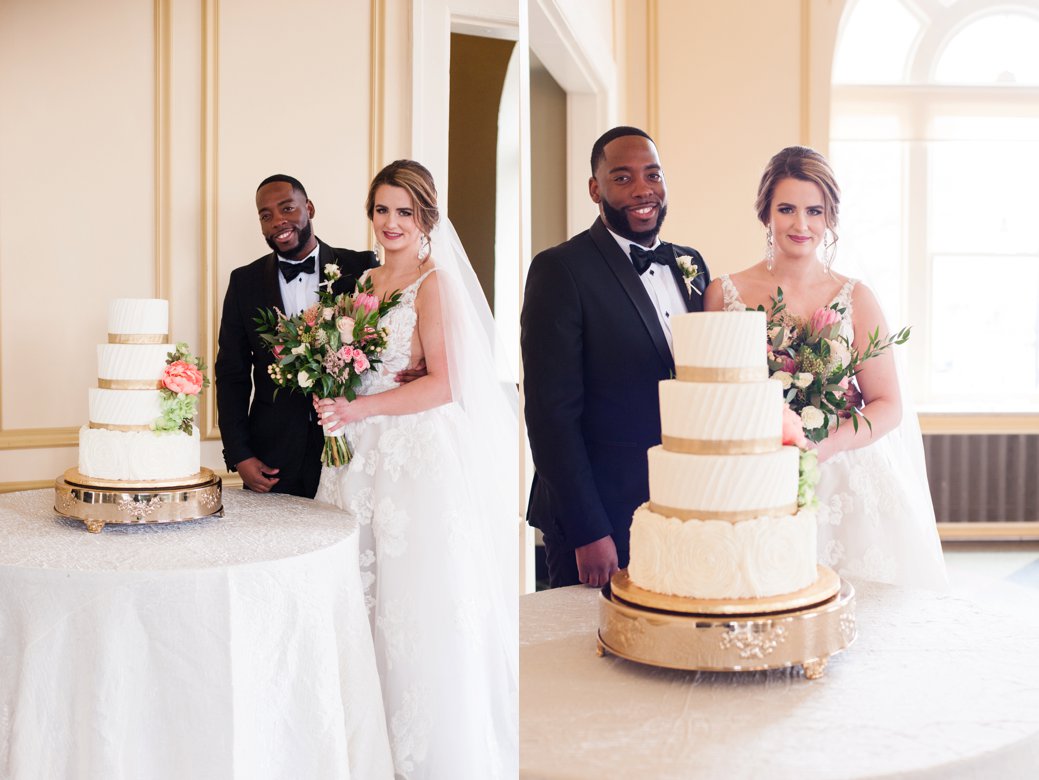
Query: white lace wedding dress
(876, 519)
(440, 624)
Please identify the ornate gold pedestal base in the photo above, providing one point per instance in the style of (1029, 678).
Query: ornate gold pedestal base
(804, 636)
(101, 502)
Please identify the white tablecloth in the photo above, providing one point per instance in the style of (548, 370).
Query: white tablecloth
(223, 648)
(934, 687)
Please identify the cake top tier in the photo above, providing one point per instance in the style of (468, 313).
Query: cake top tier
(720, 346)
(139, 317)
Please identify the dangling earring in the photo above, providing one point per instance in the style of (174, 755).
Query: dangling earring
(423, 249)
(378, 253)
(770, 252)
(829, 249)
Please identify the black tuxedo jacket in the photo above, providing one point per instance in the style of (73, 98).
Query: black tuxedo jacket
(274, 430)
(593, 355)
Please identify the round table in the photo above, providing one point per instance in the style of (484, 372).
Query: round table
(935, 686)
(234, 647)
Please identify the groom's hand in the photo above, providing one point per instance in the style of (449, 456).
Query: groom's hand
(257, 475)
(597, 561)
(411, 374)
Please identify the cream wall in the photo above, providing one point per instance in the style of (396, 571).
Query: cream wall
(727, 85)
(132, 137)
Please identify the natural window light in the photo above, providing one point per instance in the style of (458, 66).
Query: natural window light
(936, 162)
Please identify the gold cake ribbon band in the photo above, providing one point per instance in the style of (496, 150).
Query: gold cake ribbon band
(733, 517)
(129, 384)
(138, 338)
(721, 446)
(113, 427)
(704, 374)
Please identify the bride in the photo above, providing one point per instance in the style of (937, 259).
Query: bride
(876, 520)
(433, 486)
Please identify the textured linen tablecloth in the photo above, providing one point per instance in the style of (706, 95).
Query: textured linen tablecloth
(236, 647)
(934, 687)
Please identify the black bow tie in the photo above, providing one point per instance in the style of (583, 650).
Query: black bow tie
(641, 257)
(291, 270)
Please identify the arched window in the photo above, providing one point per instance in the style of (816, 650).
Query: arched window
(935, 140)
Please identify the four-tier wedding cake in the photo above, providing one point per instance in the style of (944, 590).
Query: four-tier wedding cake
(722, 521)
(119, 442)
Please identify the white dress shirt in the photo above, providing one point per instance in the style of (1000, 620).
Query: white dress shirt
(301, 292)
(661, 287)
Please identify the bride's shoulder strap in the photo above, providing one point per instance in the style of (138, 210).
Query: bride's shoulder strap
(730, 295)
(844, 296)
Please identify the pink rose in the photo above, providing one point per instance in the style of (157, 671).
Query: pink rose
(793, 433)
(361, 363)
(182, 377)
(823, 318)
(788, 364)
(366, 301)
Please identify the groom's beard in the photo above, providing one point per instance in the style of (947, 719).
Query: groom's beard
(304, 234)
(617, 219)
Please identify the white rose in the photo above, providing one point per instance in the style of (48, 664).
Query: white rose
(345, 325)
(332, 271)
(304, 379)
(328, 312)
(299, 350)
(803, 379)
(840, 355)
(811, 418)
(785, 378)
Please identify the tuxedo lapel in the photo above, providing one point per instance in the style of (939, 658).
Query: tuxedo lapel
(271, 283)
(622, 268)
(683, 289)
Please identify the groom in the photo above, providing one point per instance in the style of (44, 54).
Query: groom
(274, 443)
(596, 341)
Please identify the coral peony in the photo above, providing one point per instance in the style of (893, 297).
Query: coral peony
(182, 377)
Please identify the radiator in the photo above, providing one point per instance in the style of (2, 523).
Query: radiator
(983, 478)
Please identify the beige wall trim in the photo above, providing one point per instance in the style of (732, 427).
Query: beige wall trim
(229, 481)
(376, 106)
(979, 424)
(17, 487)
(209, 304)
(950, 532)
(36, 438)
(806, 71)
(652, 68)
(163, 53)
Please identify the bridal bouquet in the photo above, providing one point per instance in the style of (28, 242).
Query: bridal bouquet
(326, 349)
(816, 365)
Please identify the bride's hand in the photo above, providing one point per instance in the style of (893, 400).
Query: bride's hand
(334, 413)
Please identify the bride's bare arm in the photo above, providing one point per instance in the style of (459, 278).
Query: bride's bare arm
(426, 392)
(878, 381)
(713, 298)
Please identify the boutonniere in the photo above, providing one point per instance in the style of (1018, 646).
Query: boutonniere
(689, 271)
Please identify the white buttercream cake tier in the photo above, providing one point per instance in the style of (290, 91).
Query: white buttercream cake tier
(129, 362)
(124, 407)
(138, 316)
(723, 484)
(720, 416)
(716, 559)
(720, 340)
(138, 455)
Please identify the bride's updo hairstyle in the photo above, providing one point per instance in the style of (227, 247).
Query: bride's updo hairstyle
(799, 162)
(417, 181)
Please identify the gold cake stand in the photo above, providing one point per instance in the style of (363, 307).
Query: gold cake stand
(803, 628)
(100, 502)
